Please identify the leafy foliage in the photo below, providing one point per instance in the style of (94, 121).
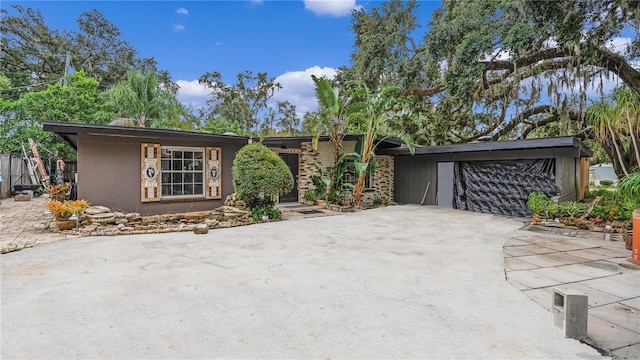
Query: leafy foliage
(270, 211)
(64, 209)
(629, 186)
(495, 69)
(259, 174)
(141, 97)
(33, 55)
(615, 121)
(377, 111)
(59, 192)
(573, 209)
(79, 101)
(246, 102)
(538, 202)
(310, 195)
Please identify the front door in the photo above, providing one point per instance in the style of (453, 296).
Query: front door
(292, 162)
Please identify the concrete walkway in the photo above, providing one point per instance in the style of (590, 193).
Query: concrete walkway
(395, 282)
(536, 263)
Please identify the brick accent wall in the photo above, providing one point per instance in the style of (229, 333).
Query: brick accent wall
(382, 181)
(310, 160)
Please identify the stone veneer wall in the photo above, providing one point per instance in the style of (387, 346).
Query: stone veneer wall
(310, 160)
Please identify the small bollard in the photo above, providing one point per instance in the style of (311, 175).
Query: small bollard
(570, 313)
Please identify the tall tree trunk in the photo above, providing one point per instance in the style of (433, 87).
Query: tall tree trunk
(615, 144)
(634, 141)
(142, 121)
(359, 188)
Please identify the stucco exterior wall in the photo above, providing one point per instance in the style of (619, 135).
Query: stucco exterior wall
(109, 174)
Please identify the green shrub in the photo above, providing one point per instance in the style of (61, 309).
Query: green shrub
(310, 195)
(321, 182)
(538, 202)
(573, 208)
(259, 174)
(270, 211)
(606, 212)
(606, 194)
(629, 186)
(628, 196)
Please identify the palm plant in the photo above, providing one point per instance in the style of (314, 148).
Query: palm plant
(376, 112)
(628, 107)
(604, 119)
(336, 111)
(142, 97)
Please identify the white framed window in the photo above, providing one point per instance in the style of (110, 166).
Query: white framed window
(182, 172)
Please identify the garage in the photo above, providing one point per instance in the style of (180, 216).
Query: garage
(491, 177)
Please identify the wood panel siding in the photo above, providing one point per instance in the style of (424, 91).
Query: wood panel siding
(412, 174)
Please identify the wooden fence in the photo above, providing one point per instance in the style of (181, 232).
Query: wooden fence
(15, 172)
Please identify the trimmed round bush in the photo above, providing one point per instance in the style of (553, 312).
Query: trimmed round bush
(259, 174)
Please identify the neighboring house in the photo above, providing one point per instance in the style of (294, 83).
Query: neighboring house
(155, 171)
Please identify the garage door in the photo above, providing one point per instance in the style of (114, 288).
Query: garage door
(501, 187)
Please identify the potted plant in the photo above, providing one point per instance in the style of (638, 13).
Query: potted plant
(62, 211)
(59, 192)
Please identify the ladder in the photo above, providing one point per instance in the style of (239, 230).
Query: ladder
(35, 163)
(30, 166)
(43, 173)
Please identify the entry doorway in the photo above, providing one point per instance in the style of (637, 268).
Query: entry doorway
(292, 162)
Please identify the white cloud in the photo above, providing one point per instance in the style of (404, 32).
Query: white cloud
(218, 43)
(298, 88)
(182, 11)
(330, 7)
(193, 93)
(178, 27)
(257, 2)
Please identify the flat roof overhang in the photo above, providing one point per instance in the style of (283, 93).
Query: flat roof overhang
(567, 142)
(69, 133)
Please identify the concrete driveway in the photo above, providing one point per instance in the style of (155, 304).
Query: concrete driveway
(396, 282)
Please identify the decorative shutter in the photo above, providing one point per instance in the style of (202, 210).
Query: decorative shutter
(213, 179)
(149, 172)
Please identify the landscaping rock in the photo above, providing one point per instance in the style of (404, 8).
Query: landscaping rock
(211, 223)
(119, 214)
(130, 216)
(93, 210)
(102, 218)
(196, 215)
(90, 228)
(201, 229)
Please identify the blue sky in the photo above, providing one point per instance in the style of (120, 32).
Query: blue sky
(290, 40)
